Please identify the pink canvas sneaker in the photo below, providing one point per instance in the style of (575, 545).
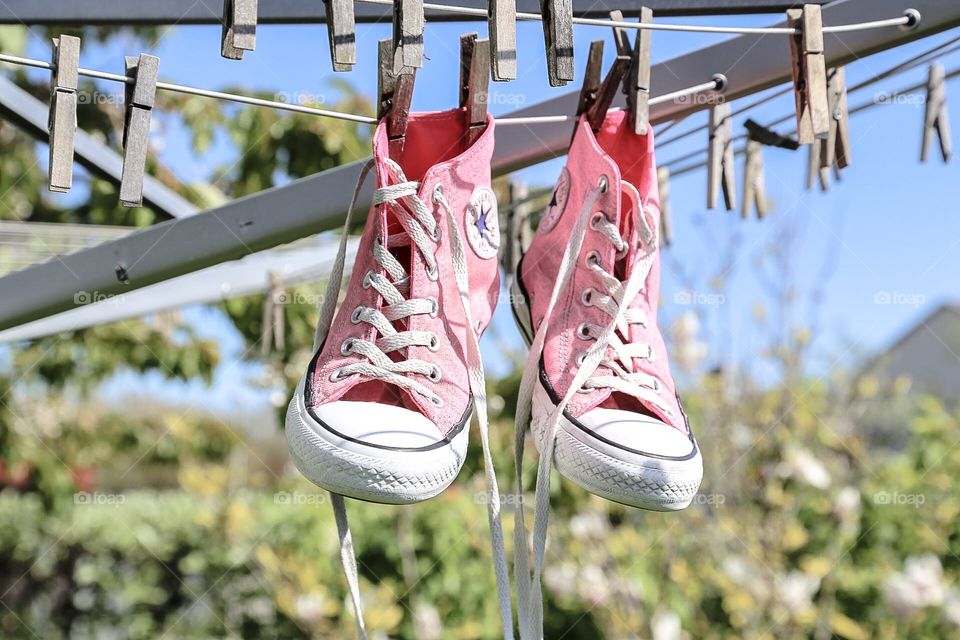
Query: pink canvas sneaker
(598, 375)
(383, 411)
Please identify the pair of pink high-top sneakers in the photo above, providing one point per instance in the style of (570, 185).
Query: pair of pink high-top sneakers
(383, 411)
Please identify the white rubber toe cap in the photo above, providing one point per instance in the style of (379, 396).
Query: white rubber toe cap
(356, 425)
(374, 452)
(637, 433)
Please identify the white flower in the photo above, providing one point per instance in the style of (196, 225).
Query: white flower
(804, 466)
(593, 586)
(665, 626)
(796, 591)
(920, 585)
(848, 503)
(426, 622)
(560, 579)
(951, 607)
(588, 525)
(309, 606)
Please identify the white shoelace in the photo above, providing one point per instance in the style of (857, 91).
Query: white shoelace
(424, 232)
(622, 378)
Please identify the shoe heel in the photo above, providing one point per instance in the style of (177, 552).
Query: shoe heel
(521, 310)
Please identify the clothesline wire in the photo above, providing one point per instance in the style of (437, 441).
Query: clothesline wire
(910, 18)
(910, 63)
(539, 194)
(285, 106)
(890, 98)
(712, 85)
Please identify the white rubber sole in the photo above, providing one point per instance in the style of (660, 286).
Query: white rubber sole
(658, 484)
(369, 473)
(654, 483)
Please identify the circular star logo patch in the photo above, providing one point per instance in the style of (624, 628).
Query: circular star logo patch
(483, 224)
(558, 202)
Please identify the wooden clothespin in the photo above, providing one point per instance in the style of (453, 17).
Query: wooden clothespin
(557, 17)
(517, 233)
(636, 83)
(769, 137)
(474, 84)
(62, 122)
(663, 188)
(935, 118)
(239, 28)
(720, 158)
(592, 77)
(395, 91)
(272, 328)
(341, 29)
(140, 98)
(835, 150)
(809, 73)
(408, 34)
(754, 193)
(597, 109)
(815, 172)
(502, 30)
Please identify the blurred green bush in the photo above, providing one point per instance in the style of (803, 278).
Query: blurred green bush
(801, 530)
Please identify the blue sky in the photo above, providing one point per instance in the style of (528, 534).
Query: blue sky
(890, 227)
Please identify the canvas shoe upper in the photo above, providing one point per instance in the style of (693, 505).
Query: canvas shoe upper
(383, 411)
(623, 433)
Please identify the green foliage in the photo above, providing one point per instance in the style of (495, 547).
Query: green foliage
(801, 530)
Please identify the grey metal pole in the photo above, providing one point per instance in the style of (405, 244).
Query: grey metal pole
(318, 202)
(151, 12)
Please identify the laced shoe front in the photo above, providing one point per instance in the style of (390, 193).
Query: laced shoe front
(383, 411)
(621, 432)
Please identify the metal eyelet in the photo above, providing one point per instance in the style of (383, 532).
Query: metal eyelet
(436, 401)
(583, 332)
(434, 308)
(438, 234)
(367, 280)
(434, 343)
(347, 347)
(656, 385)
(603, 184)
(435, 374)
(596, 218)
(587, 297)
(581, 358)
(337, 376)
(355, 316)
(433, 274)
(593, 259)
